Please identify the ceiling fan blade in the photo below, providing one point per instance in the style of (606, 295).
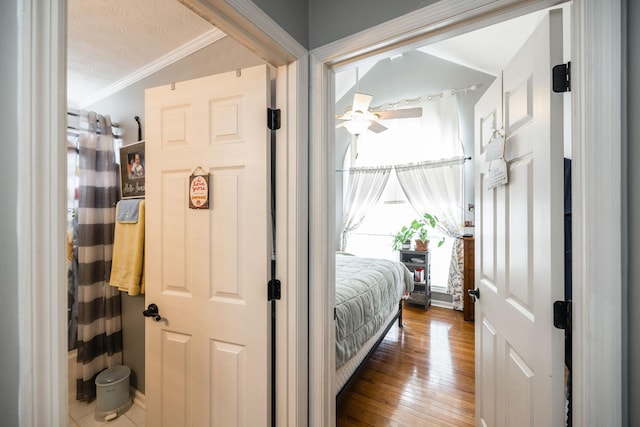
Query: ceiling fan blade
(361, 102)
(403, 113)
(377, 127)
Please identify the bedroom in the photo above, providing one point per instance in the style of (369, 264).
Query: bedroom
(426, 74)
(409, 76)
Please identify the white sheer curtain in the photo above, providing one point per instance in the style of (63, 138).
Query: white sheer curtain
(435, 185)
(440, 128)
(436, 188)
(364, 188)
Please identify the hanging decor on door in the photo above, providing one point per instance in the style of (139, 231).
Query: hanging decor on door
(199, 189)
(494, 154)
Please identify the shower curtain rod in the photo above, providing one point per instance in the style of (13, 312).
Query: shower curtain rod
(74, 114)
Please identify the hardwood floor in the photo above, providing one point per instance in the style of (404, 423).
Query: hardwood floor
(420, 375)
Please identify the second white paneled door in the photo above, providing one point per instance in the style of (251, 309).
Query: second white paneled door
(208, 359)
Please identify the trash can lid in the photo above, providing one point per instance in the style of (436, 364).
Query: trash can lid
(113, 374)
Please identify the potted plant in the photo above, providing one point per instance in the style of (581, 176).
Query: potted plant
(427, 221)
(402, 239)
(418, 227)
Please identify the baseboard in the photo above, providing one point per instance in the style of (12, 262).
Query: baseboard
(443, 304)
(138, 399)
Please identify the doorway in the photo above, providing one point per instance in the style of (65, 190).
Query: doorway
(327, 61)
(423, 76)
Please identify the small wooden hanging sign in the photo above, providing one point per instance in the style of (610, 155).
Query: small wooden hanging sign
(199, 189)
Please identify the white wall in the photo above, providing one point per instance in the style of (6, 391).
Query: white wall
(9, 354)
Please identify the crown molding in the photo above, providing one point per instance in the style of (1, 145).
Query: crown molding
(174, 56)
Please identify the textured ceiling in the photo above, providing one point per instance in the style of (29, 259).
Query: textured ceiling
(111, 40)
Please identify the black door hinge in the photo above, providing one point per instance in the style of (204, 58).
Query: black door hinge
(273, 289)
(562, 78)
(273, 119)
(562, 315)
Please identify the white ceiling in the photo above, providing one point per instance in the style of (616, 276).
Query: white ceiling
(490, 48)
(487, 50)
(114, 43)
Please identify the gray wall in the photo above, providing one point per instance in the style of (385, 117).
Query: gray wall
(9, 355)
(291, 15)
(318, 22)
(222, 56)
(633, 214)
(414, 75)
(331, 20)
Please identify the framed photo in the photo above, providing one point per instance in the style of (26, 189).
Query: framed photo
(132, 170)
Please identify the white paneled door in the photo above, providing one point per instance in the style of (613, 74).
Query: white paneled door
(208, 358)
(519, 258)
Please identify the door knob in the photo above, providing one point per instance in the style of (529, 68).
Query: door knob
(474, 293)
(152, 311)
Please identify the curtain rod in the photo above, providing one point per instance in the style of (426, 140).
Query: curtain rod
(452, 91)
(394, 166)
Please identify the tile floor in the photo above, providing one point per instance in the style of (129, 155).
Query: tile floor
(81, 415)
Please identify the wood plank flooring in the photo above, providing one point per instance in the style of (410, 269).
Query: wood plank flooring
(420, 375)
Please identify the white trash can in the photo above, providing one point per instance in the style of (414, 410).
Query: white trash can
(112, 393)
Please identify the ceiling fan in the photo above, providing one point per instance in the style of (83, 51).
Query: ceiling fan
(361, 118)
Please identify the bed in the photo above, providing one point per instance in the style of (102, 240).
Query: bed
(368, 300)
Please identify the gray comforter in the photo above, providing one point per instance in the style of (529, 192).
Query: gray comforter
(367, 291)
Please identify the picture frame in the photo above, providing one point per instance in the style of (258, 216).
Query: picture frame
(132, 170)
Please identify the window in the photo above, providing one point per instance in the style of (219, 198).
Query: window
(409, 140)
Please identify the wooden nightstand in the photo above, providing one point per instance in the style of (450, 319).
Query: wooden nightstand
(469, 277)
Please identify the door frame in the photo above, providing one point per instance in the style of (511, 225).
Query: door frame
(42, 303)
(597, 116)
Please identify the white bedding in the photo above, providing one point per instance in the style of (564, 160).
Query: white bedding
(368, 291)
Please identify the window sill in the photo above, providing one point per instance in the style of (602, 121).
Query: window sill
(439, 289)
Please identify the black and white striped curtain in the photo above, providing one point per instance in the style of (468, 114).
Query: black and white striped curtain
(99, 321)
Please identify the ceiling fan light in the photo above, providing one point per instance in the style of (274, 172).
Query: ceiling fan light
(357, 127)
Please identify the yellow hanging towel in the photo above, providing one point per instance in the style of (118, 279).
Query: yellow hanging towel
(127, 267)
